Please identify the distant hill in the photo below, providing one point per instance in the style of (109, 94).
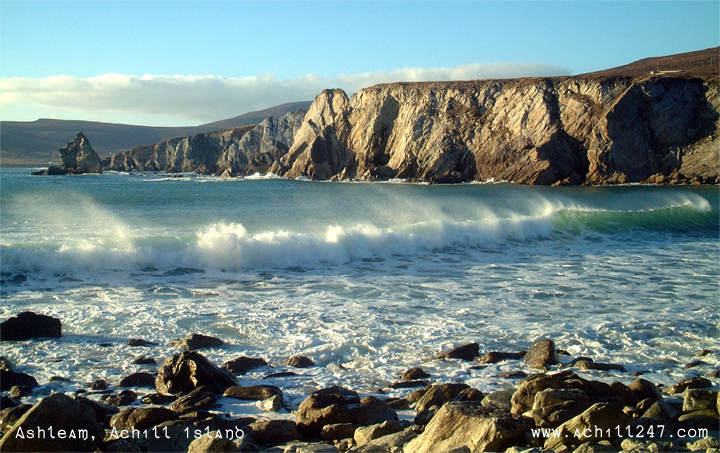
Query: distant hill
(37, 142)
(698, 63)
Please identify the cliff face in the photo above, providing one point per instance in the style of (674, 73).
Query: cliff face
(540, 131)
(574, 130)
(239, 151)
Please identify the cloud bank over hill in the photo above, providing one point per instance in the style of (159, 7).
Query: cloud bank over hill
(193, 99)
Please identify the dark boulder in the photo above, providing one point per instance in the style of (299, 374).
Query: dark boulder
(138, 380)
(188, 370)
(465, 352)
(254, 392)
(55, 412)
(198, 399)
(414, 374)
(541, 354)
(335, 405)
(141, 418)
(197, 341)
(123, 398)
(9, 379)
(244, 364)
(28, 325)
(299, 361)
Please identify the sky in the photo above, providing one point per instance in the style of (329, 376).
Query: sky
(182, 63)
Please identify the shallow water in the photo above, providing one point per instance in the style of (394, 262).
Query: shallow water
(367, 279)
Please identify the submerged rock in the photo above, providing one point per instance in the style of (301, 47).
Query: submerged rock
(28, 325)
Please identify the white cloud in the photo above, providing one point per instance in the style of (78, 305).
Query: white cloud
(194, 99)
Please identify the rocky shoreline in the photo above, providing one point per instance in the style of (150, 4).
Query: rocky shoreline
(179, 407)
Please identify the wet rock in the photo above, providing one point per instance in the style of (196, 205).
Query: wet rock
(693, 364)
(465, 352)
(512, 375)
(197, 341)
(98, 384)
(598, 418)
(280, 374)
(28, 325)
(141, 418)
(5, 364)
(17, 391)
(499, 356)
(243, 364)
(714, 373)
(698, 399)
(9, 379)
(138, 380)
(200, 398)
(587, 365)
(365, 434)
(458, 426)
(10, 415)
(272, 404)
(137, 342)
(299, 361)
(188, 370)
(541, 354)
(272, 432)
(211, 443)
(144, 360)
(337, 405)
(408, 384)
(703, 353)
(55, 412)
(255, 392)
(645, 389)
(439, 394)
(123, 398)
(414, 374)
(337, 431)
(692, 383)
(157, 398)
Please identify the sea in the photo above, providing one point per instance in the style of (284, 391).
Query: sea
(367, 279)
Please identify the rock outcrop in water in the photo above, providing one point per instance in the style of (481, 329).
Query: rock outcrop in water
(569, 130)
(78, 157)
(233, 152)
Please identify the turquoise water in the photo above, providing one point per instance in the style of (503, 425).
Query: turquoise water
(368, 279)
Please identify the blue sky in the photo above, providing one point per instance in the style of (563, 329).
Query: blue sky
(156, 62)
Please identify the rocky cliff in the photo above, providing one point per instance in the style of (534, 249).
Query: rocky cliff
(570, 130)
(233, 152)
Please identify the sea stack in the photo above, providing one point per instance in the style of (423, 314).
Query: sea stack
(80, 157)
